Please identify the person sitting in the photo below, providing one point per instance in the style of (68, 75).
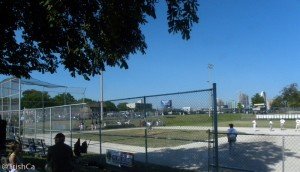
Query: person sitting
(60, 156)
(32, 146)
(77, 149)
(15, 157)
(84, 147)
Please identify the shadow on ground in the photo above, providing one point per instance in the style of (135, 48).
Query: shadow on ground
(254, 156)
(247, 156)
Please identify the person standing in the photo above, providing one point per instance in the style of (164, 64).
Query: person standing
(297, 124)
(271, 125)
(60, 156)
(254, 125)
(92, 126)
(282, 121)
(231, 136)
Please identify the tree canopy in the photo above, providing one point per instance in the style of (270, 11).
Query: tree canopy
(36, 99)
(83, 36)
(63, 99)
(257, 99)
(290, 97)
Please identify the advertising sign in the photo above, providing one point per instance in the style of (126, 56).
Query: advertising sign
(119, 158)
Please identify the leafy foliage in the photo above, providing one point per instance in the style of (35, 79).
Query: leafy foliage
(35, 99)
(290, 96)
(84, 35)
(257, 99)
(122, 106)
(109, 106)
(240, 107)
(63, 99)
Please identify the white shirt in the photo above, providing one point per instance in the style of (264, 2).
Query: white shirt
(232, 131)
(282, 121)
(298, 121)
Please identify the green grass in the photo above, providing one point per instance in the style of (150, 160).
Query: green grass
(155, 138)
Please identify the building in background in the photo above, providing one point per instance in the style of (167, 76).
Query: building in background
(244, 100)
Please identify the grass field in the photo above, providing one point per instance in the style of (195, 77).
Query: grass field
(175, 137)
(155, 138)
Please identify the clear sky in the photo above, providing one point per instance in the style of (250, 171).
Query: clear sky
(254, 46)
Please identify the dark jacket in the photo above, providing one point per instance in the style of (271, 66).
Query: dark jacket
(60, 158)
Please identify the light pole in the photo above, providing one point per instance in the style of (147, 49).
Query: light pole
(210, 68)
(101, 113)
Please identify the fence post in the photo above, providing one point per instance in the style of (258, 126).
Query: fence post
(146, 135)
(208, 148)
(51, 126)
(216, 148)
(70, 111)
(100, 135)
(283, 154)
(35, 124)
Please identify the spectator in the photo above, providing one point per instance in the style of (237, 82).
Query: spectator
(231, 136)
(60, 156)
(84, 147)
(77, 148)
(15, 158)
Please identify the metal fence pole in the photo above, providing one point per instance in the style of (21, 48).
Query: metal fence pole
(216, 148)
(100, 135)
(35, 124)
(50, 126)
(282, 150)
(20, 92)
(208, 148)
(70, 111)
(146, 131)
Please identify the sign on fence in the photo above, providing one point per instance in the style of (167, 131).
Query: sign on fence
(119, 158)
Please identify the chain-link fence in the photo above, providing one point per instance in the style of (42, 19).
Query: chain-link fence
(256, 152)
(166, 129)
(44, 123)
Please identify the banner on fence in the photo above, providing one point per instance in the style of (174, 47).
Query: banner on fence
(119, 158)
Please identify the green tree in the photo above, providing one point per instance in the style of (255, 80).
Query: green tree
(278, 102)
(87, 100)
(83, 36)
(290, 96)
(63, 99)
(122, 106)
(109, 106)
(240, 107)
(35, 99)
(257, 99)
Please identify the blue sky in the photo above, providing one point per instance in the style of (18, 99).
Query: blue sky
(253, 45)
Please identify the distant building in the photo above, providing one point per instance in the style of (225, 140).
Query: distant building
(187, 109)
(244, 100)
(139, 106)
